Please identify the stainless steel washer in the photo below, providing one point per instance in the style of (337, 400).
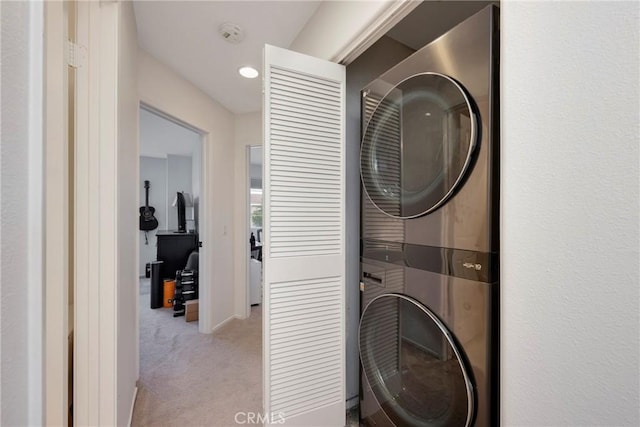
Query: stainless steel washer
(429, 234)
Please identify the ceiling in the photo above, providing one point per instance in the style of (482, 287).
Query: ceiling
(184, 35)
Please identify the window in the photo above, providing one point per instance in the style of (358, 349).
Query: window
(256, 208)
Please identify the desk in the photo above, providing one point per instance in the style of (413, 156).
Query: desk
(174, 248)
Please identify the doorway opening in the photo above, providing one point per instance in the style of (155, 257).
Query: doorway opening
(254, 224)
(170, 192)
(176, 359)
(171, 186)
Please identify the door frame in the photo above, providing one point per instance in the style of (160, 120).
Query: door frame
(54, 195)
(95, 367)
(204, 305)
(247, 227)
(95, 199)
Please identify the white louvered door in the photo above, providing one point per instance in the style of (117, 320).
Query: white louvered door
(304, 247)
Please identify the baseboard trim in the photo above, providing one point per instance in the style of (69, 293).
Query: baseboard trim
(133, 404)
(224, 322)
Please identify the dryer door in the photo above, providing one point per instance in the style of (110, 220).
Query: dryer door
(422, 380)
(417, 145)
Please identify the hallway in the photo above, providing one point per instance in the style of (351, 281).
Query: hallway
(192, 379)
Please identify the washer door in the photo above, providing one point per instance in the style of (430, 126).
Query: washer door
(412, 364)
(417, 145)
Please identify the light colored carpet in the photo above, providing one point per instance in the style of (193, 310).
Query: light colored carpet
(192, 379)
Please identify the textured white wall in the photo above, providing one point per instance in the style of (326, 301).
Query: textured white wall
(127, 219)
(248, 131)
(21, 213)
(14, 179)
(162, 88)
(569, 174)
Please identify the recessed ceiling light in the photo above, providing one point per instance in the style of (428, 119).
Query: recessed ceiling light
(248, 72)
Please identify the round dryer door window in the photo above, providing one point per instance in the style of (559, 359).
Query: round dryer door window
(412, 364)
(417, 145)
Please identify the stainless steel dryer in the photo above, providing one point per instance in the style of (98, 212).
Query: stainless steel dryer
(429, 234)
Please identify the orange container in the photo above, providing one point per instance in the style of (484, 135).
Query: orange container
(169, 293)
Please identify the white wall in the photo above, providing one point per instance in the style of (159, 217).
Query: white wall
(163, 89)
(569, 173)
(127, 218)
(21, 309)
(248, 131)
(381, 56)
(153, 170)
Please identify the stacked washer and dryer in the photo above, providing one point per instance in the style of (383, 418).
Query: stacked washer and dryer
(428, 332)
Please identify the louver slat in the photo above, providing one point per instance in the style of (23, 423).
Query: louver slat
(309, 164)
(321, 314)
(303, 247)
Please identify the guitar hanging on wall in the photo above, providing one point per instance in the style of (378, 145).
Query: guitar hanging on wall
(147, 221)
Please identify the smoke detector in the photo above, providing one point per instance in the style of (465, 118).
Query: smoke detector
(232, 33)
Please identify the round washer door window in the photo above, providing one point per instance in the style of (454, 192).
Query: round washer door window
(417, 145)
(412, 364)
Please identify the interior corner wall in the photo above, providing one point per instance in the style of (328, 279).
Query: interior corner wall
(127, 204)
(381, 56)
(163, 89)
(569, 213)
(154, 170)
(248, 131)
